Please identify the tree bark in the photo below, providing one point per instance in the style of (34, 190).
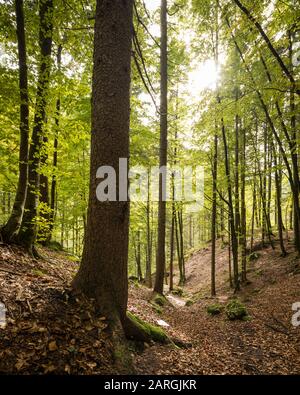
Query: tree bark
(28, 231)
(103, 270)
(161, 233)
(234, 242)
(11, 229)
(214, 216)
(53, 191)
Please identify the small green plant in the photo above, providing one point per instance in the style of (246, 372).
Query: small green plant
(235, 310)
(214, 309)
(159, 300)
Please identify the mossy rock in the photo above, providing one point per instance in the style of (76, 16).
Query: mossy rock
(160, 300)
(150, 331)
(235, 310)
(189, 302)
(214, 309)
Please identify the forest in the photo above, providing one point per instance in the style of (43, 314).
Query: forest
(149, 188)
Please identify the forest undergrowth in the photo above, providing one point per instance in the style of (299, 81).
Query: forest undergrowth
(54, 331)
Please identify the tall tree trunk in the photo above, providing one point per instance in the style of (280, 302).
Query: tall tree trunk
(53, 193)
(148, 275)
(229, 255)
(28, 231)
(182, 260)
(243, 206)
(234, 241)
(294, 138)
(278, 200)
(11, 229)
(172, 243)
(236, 175)
(215, 168)
(44, 212)
(161, 233)
(253, 209)
(103, 270)
(138, 257)
(214, 216)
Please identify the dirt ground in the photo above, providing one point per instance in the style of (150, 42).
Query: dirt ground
(50, 330)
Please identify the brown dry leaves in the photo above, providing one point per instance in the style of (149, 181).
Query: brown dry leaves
(50, 330)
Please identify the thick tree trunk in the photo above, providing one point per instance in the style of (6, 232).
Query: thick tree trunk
(11, 229)
(28, 231)
(161, 233)
(103, 271)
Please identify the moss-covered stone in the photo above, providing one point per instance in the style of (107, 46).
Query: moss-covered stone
(235, 310)
(214, 309)
(151, 331)
(160, 300)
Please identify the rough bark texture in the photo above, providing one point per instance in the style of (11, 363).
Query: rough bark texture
(10, 230)
(103, 271)
(161, 236)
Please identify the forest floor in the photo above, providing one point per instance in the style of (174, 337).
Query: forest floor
(51, 330)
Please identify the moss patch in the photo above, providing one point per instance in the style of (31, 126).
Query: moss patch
(151, 331)
(235, 310)
(159, 300)
(214, 309)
